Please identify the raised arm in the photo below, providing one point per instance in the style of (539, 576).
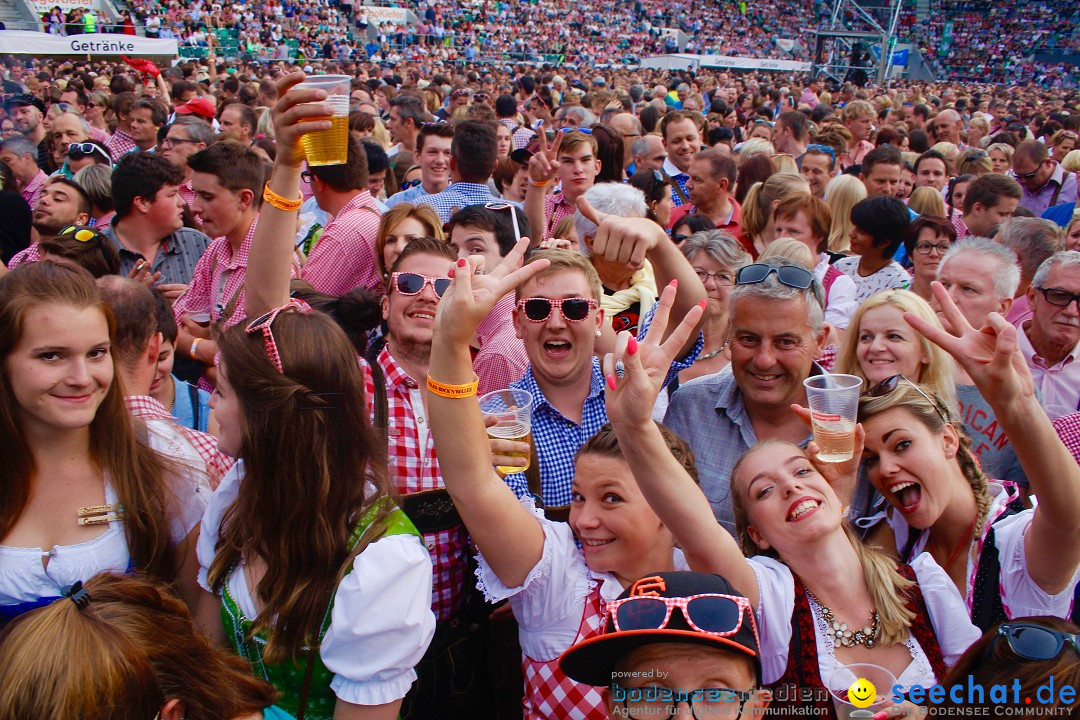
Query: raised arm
(270, 263)
(542, 169)
(630, 241)
(510, 538)
(992, 358)
(673, 495)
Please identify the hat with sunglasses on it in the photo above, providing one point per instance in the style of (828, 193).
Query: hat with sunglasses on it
(669, 607)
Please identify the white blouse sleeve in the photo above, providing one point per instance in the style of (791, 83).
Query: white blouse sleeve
(948, 614)
(842, 302)
(382, 622)
(549, 603)
(189, 483)
(1021, 595)
(206, 548)
(776, 601)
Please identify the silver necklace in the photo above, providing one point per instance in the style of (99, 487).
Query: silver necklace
(713, 354)
(842, 635)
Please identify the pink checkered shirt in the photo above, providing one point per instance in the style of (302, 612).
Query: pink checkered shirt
(32, 191)
(145, 407)
(120, 144)
(555, 209)
(549, 694)
(1068, 429)
(344, 257)
(961, 227)
(414, 469)
(29, 255)
(218, 281)
(502, 358)
(187, 192)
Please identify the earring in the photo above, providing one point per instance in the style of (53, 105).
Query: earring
(949, 455)
(598, 333)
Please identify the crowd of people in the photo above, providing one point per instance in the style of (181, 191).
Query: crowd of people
(246, 470)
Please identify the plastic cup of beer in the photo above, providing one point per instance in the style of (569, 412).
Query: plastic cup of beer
(512, 411)
(834, 406)
(860, 690)
(330, 147)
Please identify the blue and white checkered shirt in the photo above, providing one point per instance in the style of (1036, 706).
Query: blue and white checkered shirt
(558, 439)
(458, 195)
(677, 177)
(408, 196)
(709, 414)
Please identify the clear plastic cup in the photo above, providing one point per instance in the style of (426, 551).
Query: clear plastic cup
(834, 408)
(840, 684)
(512, 410)
(330, 147)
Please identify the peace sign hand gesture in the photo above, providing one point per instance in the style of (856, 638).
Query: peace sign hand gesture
(544, 164)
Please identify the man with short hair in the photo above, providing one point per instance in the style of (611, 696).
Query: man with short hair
(948, 126)
(148, 230)
(712, 180)
(344, 257)
(649, 153)
(27, 113)
(61, 203)
(20, 153)
(228, 181)
(69, 128)
(858, 117)
(500, 356)
(1045, 182)
(791, 133)
(238, 120)
(574, 162)
(136, 346)
(145, 118)
(931, 170)
(121, 141)
(634, 663)
(629, 127)
(1050, 341)
(473, 156)
(777, 333)
(880, 173)
(433, 156)
(407, 115)
(990, 200)
(1033, 240)
(681, 133)
(185, 137)
(981, 277)
(818, 166)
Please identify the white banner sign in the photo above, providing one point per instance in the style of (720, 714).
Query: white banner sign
(35, 43)
(785, 44)
(395, 15)
(686, 61)
(44, 6)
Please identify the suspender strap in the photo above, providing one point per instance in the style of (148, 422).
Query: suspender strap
(382, 408)
(676, 187)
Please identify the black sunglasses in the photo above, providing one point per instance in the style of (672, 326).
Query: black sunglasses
(411, 183)
(1032, 642)
(1061, 298)
(408, 283)
(790, 275)
(573, 309)
(887, 385)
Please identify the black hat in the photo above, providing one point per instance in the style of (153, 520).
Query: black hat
(521, 156)
(24, 99)
(593, 661)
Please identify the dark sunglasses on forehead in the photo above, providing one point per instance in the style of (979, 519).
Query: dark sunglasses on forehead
(573, 309)
(408, 283)
(790, 275)
(887, 385)
(411, 183)
(1033, 642)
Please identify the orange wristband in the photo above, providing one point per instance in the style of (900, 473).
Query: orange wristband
(453, 391)
(280, 202)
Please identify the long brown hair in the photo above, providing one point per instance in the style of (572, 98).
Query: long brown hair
(211, 683)
(887, 588)
(308, 448)
(63, 662)
(136, 472)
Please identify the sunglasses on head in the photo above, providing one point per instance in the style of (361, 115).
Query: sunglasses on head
(498, 206)
(411, 183)
(78, 150)
(824, 149)
(584, 130)
(83, 235)
(790, 275)
(887, 385)
(408, 283)
(1030, 641)
(573, 309)
(708, 613)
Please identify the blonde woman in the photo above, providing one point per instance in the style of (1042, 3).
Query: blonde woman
(758, 206)
(754, 146)
(1000, 157)
(1062, 143)
(784, 163)
(1071, 163)
(841, 194)
(399, 225)
(381, 135)
(950, 151)
(978, 131)
(927, 201)
(973, 161)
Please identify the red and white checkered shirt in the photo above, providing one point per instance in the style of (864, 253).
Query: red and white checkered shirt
(100, 135)
(415, 469)
(29, 255)
(549, 694)
(187, 192)
(960, 226)
(33, 189)
(555, 209)
(344, 257)
(1068, 429)
(147, 408)
(120, 144)
(217, 284)
(502, 358)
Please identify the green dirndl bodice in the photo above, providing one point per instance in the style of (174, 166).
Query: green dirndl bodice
(288, 677)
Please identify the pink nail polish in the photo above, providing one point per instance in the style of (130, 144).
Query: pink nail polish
(631, 346)
(450, 273)
(611, 381)
(674, 283)
(702, 304)
(462, 262)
